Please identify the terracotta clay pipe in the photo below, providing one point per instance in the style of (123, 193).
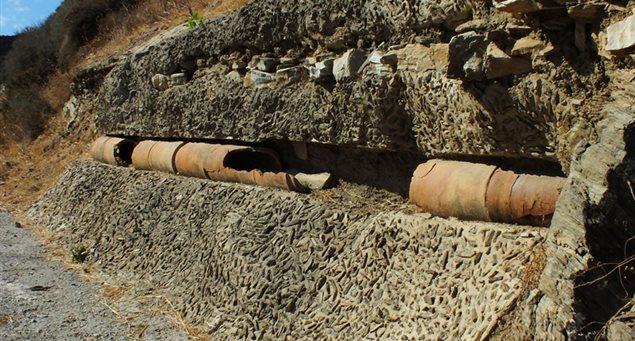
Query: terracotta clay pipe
(238, 164)
(112, 150)
(481, 192)
(156, 155)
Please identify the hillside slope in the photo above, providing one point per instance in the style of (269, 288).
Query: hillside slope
(364, 90)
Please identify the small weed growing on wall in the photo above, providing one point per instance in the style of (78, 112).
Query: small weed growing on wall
(79, 253)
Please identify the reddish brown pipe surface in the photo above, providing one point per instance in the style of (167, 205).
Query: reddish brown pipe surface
(111, 150)
(255, 177)
(498, 195)
(214, 161)
(534, 197)
(156, 155)
(452, 189)
(482, 192)
(141, 155)
(192, 158)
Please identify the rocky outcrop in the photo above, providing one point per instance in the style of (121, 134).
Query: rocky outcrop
(250, 262)
(517, 109)
(587, 277)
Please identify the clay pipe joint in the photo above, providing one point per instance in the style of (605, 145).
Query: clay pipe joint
(114, 151)
(196, 159)
(156, 155)
(237, 164)
(482, 192)
(249, 166)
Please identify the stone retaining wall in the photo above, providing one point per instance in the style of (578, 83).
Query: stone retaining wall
(254, 262)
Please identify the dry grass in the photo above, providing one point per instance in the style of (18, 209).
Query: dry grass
(114, 292)
(4, 319)
(163, 306)
(119, 30)
(27, 169)
(57, 90)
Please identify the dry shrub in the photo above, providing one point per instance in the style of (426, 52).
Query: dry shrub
(119, 28)
(35, 70)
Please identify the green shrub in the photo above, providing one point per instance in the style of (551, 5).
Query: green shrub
(195, 20)
(79, 253)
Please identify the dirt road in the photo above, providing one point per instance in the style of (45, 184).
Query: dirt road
(41, 300)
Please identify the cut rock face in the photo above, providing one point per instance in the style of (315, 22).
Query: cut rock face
(621, 35)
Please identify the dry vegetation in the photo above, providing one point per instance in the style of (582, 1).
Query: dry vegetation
(35, 80)
(33, 149)
(36, 71)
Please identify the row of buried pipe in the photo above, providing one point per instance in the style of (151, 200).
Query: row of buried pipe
(444, 188)
(218, 162)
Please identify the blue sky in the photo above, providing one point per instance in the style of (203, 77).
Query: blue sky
(15, 15)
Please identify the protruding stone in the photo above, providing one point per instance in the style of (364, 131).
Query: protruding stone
(547, 50)
(321, 70)
(526, 45)
(375, 64)
(375, 57)
(499, 64)
(621, 35)
(517, 6)
(314, 181)
(287, 62)
(178, 79)
(239, 65)
(348, 65)
(584, 12)
(255, 78)
(160, 82)
(320, 58)
(201, 63)
(472, 25)
(234, 75)
(292, 73)
(466, 53)
(389, 59)
(266, 64)
(418, 58)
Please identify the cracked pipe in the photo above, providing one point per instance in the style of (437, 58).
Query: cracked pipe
(483, 192)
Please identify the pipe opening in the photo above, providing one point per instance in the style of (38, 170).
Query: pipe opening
(123, 152)
(248, 160)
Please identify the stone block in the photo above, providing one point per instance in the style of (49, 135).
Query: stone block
(499, 64)
(621, 35)
(348, 65)
(161, 82)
